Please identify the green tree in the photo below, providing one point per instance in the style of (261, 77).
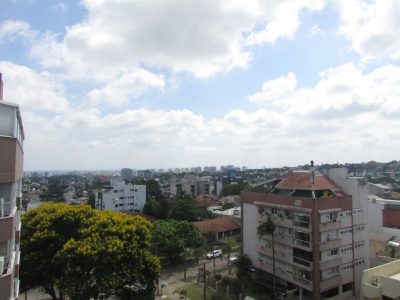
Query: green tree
(169, 234)
(84, 252)
(198, 253)
(231, 189)
(183, 208)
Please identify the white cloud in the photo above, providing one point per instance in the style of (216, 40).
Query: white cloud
(128, 86)
(10, 30)
(275, 89)
(200, 37)
(343, 91)
(373, 27)
(283, 19)
(34, 91)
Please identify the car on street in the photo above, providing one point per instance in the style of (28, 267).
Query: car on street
(214, 254)
(233, 260)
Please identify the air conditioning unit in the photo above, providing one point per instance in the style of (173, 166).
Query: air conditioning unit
(1, 265)
(1, 207)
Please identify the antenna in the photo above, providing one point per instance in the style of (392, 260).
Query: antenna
(312, 169)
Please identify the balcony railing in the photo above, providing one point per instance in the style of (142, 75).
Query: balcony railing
(330, 244)
(331, 263)
(333, 225)
(302, 243)
(302, 261)
(302, 224)
(332, 282)
(302, 280)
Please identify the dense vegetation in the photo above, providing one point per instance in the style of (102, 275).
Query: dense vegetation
(84, 253)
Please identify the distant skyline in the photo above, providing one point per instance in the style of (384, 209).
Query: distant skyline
(161, 83)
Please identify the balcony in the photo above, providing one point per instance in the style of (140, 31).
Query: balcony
(302, 225)
(330, 226)
(6, 285)
(283, 222)
(331, 244)
(329, 283)
(302, 263)
(7, 227)
(303, 282)
(331, 263)
(11, 160)
(305, 245)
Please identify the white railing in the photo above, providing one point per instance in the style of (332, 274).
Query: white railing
(1, 207)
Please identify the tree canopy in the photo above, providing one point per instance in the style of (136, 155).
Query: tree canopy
(83, 252)
(171, 236)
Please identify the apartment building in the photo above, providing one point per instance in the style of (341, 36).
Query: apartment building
(320, 242)
(121, 197)
(191, 185)
(11, 173)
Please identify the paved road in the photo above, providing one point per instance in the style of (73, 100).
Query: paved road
(174, 276)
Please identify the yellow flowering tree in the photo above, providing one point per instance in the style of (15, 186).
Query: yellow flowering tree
(84, 253)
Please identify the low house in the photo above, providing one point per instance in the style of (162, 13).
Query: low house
(223, 227)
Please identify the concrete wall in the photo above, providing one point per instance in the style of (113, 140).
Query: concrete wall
(250, 238)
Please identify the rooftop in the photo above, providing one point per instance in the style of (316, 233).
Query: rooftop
(221, 224)
(303, 181)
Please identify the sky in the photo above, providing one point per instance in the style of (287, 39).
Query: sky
(180, 83)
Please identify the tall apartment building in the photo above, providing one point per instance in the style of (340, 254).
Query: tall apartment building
(191, 185)
(320, 240)
(121, 197)
(11, 172)
(127, 174)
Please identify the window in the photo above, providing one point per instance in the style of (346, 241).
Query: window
(359, 245)
(359, 262)
(345, 231)
(347, 267)
(359, 228)
(334, 252)
(347, 287)
(345, 249)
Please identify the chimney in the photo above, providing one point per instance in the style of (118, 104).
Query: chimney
(1, 87)
(312, 169)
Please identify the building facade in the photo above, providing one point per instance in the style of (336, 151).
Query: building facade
(191, 185)
(121, 197)
(127, 174)
(320, 242)
(11, 173)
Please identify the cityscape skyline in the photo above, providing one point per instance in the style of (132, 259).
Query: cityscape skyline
(105, 85)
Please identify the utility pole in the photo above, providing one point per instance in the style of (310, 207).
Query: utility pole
(204, 281)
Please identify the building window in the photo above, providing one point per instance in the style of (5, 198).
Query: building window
(347, 287)
(359, 262)
(347, 266)
(359, 228)
(359, 245)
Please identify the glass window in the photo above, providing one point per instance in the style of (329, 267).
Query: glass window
(7, 117)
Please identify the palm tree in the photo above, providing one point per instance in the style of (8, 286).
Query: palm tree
(268, 227)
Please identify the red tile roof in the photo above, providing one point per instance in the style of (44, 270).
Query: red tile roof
(303, 181)
(221, 224)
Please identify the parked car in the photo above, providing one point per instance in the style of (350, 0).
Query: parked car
(215, 253)
(233, 260)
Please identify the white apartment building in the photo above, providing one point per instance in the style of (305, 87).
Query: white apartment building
(11, 173)
(320, 238)
(121, 197)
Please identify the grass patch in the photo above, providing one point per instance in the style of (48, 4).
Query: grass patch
(194, 292)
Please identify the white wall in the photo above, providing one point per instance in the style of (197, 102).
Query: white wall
(250, 238)
(123, 197)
